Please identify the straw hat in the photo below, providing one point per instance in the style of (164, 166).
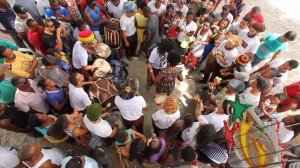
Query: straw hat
(171, 105)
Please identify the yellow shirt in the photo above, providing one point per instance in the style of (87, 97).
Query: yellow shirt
(141, 22)
(21, 65)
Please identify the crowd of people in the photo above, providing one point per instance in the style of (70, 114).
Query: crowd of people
(64, 50)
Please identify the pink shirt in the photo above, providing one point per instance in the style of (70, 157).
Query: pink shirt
(36, 101)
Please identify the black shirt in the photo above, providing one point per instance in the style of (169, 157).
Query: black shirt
(16, 117)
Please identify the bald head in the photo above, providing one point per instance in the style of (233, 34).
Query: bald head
(28, 152)
(146, 11)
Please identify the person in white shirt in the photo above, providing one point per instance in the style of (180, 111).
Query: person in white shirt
(9, 157)
(115, 8)
(251, 40)
(29, 97)
(187, 29)
(79, 99)
(217, 117)
(282, 67)
(180, 6)
(130, 104)
(127, 23)
(163, 119)
(157, 7)
(81, 51)
(225, 55)
(20, 23)
(224, 14)
(95, 124)
(191, 126)
(241, 26)
(42, 5)
(158, 58)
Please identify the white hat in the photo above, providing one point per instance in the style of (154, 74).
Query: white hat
(65, 161)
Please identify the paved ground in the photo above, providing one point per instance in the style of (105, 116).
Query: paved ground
(276, 21)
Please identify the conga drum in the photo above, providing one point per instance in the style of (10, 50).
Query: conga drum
(104, 92)
(112, 34)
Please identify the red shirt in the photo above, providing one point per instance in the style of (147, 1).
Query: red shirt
(257, 19)
(83, 3)
(35, 38)
(293, 90)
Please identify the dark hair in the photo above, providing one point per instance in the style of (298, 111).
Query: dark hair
(62, 122)
(173, 59)
(259, 27)
(154, 147)
(52, 51)
(293, 64)
(89, 2)
(190, 13)
(290, 35)
(2, 49)
(34, 121)
(262, 84)
(73, 79)
(170, 6)
(188, 120)
(255, 9)
(53, 1)
(165, 46)
(29, 22)
(79, 22)
(247, 18)
(210, 20)
(141, 4)
(15, 80)
(225, 19)
(146, 9)
(137, 150)
(188, 154)
(226, 107)
(74, 163)
(42, 83)
(205, 135)
(121, 136)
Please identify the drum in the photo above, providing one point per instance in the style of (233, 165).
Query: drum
(103, 70)
(112, 33)
(104, 92)
(102, 50)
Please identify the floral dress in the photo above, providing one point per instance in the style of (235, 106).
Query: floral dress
(167, 83)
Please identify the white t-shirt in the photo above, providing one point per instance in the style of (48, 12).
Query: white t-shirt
(79, 99)
(158, 62)
(248, 98)
(229, 56)
(80, 56)
(116, 11)
(236, 26)
(229, 17)
(128, 25)
(101, 129)
(20, 24)
(249, 44)
(42, 5)
(282, 76)
(189, 134)
(184, 9)
(285, 135)
(184, 28)
(8, 158)
(131, 109)
(163, 120)
(215, 119)
(161, 10)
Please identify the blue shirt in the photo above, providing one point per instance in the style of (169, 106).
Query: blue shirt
(49, 12)
(270, 46)
(96, 16)
(7, 18)
(55, 97)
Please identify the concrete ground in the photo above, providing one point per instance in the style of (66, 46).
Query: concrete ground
(276, 21)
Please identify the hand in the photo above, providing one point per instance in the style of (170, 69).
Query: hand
(126, 44)
(75, 113)
(5, 68)
(210, 86)
(106, 20)
(197, 99)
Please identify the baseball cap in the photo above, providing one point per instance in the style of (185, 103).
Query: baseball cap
(19, 9)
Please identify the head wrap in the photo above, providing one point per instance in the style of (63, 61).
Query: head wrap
(171, 105)
(129, 6)
(242, 59)
(87, 36)
(93, 111)
(127, 88)
(238, 85)
(50, 60)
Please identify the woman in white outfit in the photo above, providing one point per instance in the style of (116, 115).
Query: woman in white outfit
(203, 36)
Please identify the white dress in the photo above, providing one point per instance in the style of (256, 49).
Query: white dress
(199, 48)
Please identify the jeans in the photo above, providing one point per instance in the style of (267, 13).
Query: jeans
(255, 60)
